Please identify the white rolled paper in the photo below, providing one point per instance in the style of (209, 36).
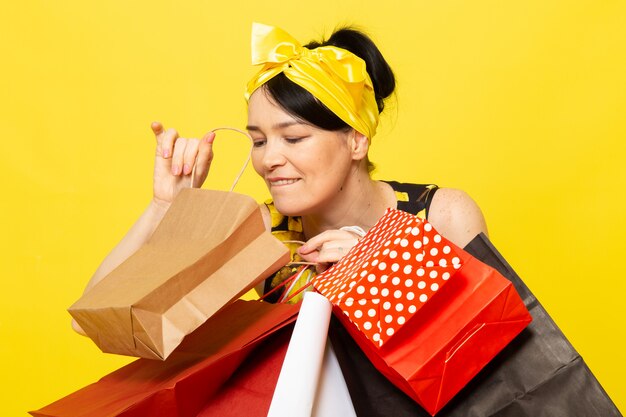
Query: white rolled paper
(333, 397)
(297, 384)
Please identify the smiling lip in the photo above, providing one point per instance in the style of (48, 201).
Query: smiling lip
(279, 182)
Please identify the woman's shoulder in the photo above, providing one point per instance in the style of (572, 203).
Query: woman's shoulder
(456, 216)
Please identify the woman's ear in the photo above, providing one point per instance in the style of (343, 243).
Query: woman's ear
(359, 145)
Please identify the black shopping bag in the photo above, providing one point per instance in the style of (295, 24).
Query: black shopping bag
(538, 374)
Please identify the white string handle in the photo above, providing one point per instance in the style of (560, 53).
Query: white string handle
(245, 165)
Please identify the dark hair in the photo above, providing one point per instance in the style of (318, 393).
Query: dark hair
(298, 102)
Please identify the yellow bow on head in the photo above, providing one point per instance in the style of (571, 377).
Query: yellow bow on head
(335, 76)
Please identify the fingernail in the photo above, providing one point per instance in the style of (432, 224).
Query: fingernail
(186, 169)
(166, 153)
(175, 169)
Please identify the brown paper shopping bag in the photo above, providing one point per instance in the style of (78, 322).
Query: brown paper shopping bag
(209, 249)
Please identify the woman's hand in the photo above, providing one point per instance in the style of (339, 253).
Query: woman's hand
(328, 247)
(175, 160)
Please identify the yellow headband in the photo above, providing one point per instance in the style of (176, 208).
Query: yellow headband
(334, 76)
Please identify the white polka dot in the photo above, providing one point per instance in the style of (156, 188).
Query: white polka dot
(371, 277)
(406, 256)
(437, 238)
(404, 243)
(376, 337)
(412, 309)
(387, 243)
(397, 293)
(455, 260)
(417, 244)
(434, 252)
(434, 287)
(367, 325)
(358, 314)
(407, 269)
(430, 264)
(445, 276)
(365, 265)
(341, 294)
(373, 290)
(386, 305)
(383, 279)
(395, 267)
(375, 301)
(443, 263)
(362, 302)
(425, 240)
(388, 318)
(385, 252)
(396, 241)
(428, 227)
(384, 292)
(420, 272)
(375, 262)
(407, 230)
(376, 254)
(393, 254)
(408, 282)
(390, 332)
(360, 289)
(371, 312)
(423, 298)
(399, 307)
(382, 266)
(419, 257)
(395, 281)
(349, 301)
(346, 312)
(415, 231)
(421, 285)
(410, 295)
(433, 274)
(446, 249)
(401, 320)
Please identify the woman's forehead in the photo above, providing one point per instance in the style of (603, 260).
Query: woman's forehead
(263, 112)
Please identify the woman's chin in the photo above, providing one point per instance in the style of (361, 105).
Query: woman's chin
(289, 208)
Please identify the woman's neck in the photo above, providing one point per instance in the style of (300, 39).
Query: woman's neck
(360, 202)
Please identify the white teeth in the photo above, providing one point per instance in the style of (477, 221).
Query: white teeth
(283, 182)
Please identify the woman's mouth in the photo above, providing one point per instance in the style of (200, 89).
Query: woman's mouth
(282, 181)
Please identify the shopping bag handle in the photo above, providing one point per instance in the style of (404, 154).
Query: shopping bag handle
(245, 165)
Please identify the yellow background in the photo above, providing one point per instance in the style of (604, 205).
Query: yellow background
(520, 103)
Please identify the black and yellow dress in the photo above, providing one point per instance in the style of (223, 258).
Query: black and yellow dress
(412, 198)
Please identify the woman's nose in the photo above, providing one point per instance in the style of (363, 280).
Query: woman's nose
(273, 155)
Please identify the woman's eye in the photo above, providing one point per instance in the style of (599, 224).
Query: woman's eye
(257, 143)
(293, 140)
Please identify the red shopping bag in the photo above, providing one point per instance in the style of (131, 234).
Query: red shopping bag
(248, 392)
(181, 385)
(426, 313)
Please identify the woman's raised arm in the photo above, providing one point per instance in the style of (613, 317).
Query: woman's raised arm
(175, 160)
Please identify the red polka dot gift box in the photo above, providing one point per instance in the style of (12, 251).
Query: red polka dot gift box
(426, 313)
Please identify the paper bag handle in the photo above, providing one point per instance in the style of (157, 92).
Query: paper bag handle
(245, 165)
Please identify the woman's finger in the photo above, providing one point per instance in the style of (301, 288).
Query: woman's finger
(168, 138)
(177, 156)
(205, 156)
(318, 241)
(333, 251)
(189, 155)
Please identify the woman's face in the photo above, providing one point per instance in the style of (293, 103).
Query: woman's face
(304, 167)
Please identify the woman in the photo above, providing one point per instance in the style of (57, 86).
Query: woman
(312, 113)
